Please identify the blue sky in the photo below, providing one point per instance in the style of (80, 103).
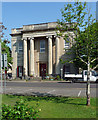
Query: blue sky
(17, 14)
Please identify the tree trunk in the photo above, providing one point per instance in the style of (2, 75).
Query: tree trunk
(88, 85)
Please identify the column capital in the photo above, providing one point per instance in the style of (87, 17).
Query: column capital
(24, 38)
(49, 36)
(30, 38)
(56, 36)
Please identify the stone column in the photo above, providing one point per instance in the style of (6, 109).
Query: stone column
(57, 56)
(49, 54)
(32, 56)
(25, 58)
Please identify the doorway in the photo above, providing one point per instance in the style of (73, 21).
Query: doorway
(43, 69)
(20, 71)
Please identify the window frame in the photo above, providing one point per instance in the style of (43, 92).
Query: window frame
(42, 48)
(20, 48)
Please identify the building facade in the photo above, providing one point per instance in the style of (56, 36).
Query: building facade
(37, 50)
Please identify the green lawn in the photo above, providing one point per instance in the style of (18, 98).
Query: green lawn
(58, 107)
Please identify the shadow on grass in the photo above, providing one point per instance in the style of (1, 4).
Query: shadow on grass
(36, 96)
(53, 98)
(11, 96)
(77, 104)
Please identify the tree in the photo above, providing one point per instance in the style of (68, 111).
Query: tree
(84, 38)
(88, 47)
(4, 47)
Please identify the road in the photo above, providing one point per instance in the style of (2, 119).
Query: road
(49, 88)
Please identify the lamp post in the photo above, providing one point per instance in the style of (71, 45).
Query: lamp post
(5, 66)
(1, 56)
(61, 72)
(1, 67)
(2, 27)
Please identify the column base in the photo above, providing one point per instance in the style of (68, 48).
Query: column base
(26, 77)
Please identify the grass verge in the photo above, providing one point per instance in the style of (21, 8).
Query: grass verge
(57, 107)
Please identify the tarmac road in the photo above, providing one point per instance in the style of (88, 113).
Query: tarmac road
(50, 88)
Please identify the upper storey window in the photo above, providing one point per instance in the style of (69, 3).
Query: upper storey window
(20, 46)
(67, 43)
(42, 46)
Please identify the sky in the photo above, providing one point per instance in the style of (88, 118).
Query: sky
(17, 14)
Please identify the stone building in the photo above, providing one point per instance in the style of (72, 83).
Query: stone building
(36, 50)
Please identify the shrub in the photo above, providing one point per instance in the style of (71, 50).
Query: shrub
(20, 111)
(31, 75)
(58, 77)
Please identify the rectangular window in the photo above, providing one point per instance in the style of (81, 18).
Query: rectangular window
(20, 46)
(42, 46)
(67, 43)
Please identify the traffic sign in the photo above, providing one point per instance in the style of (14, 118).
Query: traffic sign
(5, 59)
(0, 54)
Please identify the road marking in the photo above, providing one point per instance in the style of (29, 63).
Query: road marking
(51, 91)
(24, 91)
(18, 92)
(28, 90)
(79, 93)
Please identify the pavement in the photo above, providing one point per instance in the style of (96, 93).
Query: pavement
(50, 88)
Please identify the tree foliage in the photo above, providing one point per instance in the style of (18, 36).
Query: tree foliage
(4, 42)
(6, 49)
(85, 33)
(86, 47)
(84, 37)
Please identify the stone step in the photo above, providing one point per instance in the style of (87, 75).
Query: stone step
(35, 78)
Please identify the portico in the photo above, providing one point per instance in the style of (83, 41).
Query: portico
(49, 62)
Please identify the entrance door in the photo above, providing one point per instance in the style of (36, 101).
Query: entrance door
(42, 69)
(20, 71)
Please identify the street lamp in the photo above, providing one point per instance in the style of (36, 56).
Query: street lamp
(1, 56)
(2, 27)
(61, 72)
